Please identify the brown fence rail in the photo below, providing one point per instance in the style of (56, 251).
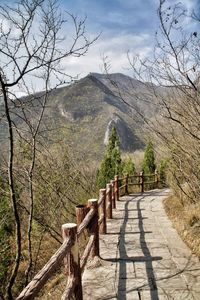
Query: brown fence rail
(91, 218)
(142, 181)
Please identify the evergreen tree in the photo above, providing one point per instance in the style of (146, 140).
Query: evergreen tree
(162, 171)
(148, 165)
(111, 163)
(128, 166)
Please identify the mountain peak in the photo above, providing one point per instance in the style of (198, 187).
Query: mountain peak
(109, 76)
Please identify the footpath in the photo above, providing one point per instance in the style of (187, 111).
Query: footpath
(142, 256)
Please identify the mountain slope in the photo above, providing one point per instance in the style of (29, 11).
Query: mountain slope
(90, 109)
(84, 112)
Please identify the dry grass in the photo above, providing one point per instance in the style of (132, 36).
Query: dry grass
(54, 288)
(186, 220)
(56, 285)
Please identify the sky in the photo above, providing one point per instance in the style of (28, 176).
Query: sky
(124, 25)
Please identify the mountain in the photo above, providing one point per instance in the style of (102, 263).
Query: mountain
(83, 113)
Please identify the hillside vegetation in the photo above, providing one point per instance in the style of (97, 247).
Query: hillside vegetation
(83, 114)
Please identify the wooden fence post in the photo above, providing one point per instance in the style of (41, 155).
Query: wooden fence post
(72, 264)
(156, 178)
(102, 226)
(94, 227)
(81, 212)
(126, 184)
(109, 201)
(113, 194)
(116, 188)
(142, 181)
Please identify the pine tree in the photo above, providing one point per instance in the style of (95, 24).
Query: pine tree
(111, 163)
(162, 172)
(148, 165)
(128, 166)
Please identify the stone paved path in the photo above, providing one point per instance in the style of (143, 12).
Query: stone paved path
(142, 256)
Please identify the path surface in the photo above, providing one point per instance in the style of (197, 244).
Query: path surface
(142, 256)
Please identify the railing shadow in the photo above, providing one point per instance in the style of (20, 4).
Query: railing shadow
(154, 192)
(123, 259)
(148, 263)
(147, 258)
(156, 285)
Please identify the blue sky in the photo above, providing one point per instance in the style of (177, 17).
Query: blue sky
(115, 15)
(124, 25)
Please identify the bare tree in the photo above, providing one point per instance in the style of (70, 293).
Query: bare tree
(33, 45)
(171, 89)
(175, 67)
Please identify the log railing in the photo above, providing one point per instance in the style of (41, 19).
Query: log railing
(142, 180)
(91, 218)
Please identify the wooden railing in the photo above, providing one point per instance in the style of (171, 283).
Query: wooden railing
(142, 180)
(91, 218)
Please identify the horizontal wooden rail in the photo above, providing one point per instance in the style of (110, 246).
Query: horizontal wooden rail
(122, 186)
(86, 253)
(91, 219)
(86, 221)
(34, 287)
(126, 181)
(149, 182)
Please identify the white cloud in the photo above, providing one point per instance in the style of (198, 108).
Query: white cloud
(115, 49)
(190, 4)
(4, 25)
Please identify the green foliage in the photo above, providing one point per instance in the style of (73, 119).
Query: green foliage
(5, 234)
(128, 166)
(148, 165)
(162, 172)
(116, 161)
(111, 163)
(61, 181)
(113, 140)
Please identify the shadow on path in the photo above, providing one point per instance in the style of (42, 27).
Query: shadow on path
(134, 273)
(148, 262)
(124, 259)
